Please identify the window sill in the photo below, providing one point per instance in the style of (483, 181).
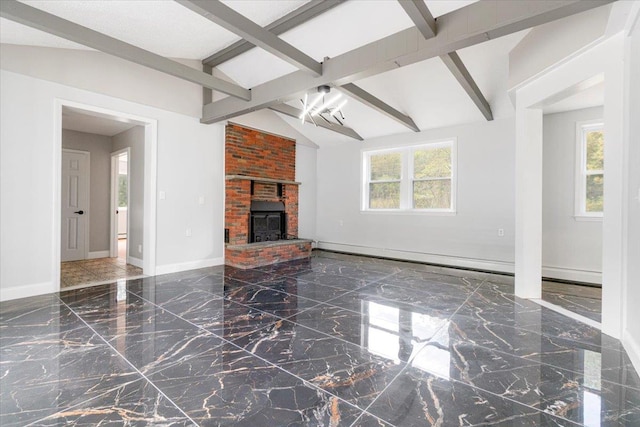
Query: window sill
(585, 218)
(406, 212)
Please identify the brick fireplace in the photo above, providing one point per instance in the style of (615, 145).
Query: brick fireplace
(261, 199)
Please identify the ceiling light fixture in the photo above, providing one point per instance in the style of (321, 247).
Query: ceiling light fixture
(323, 111)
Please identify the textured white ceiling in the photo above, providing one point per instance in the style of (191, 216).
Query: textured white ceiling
(13, 33)
(73, 119)
(161, 26)
(339, 30)
(426, 91)
(429, 94)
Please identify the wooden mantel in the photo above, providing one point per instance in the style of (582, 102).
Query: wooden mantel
(260, 179)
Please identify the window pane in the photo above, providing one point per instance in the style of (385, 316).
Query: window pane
(384, 195)
(386, 167)
(595, 150)
(595, 187)
(122, 191)
(432, 194)
(432, 163)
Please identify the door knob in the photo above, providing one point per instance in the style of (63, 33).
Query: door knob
(79, 212)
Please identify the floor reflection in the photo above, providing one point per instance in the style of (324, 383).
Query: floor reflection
(339, 341)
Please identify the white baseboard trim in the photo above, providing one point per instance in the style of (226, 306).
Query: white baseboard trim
(451, 261)
(191, 265)
(572, 275)
(632, 347)
(98, 254)
(15, 292)
(136, 262)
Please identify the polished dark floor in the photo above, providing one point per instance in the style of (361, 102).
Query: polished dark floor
(583, 300)
(330, 341)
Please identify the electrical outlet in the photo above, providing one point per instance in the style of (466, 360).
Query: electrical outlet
(341, 222)
(500, 232)
(188, 232)
(201, 200)
(139, 249)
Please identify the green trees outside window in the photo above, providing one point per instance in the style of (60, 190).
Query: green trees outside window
(122, 191)
(411, 178)
(595, 171)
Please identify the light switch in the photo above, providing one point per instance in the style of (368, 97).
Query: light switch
(162, 195)
(201, 200)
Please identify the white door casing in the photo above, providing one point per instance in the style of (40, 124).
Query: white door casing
(75, 205)
(150, 177)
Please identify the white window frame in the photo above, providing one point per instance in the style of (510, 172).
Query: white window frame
(406, 177)
(581, 170)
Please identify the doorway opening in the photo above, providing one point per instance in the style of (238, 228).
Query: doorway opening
(106, 216)
(120, 204)
(572, 200)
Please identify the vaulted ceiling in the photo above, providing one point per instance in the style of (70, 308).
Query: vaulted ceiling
(424, 90)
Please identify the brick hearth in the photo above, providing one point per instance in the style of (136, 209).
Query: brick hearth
(256, 165)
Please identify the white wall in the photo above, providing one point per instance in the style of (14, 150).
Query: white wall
(631, 294)
(134, 139)
(571, 248)
(485, 202)
(189, 165)
(548, 44)
(99, 147)
(106, 74)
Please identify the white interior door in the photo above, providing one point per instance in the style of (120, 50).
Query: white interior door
(75, 205)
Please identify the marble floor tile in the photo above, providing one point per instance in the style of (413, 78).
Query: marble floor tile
(136, 403)
(333, 280)
(61, 376)
(148, 336)
(289, 268)
(270, 301)
(367, 420)
(235, 388)
(354, 271)
(190, 276)
(248, 276)
(404, 299)
(14, 308)
(565, 394)
(301, 288)
(496, 303)
(45, 343)
(340, 368)
(431, 283)
(607, 360)
(94, 295)
(418, 398)
(335, 340)
(30, 323)
(224, 318)
(169, 294)
(587, 307)
(407, 327)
